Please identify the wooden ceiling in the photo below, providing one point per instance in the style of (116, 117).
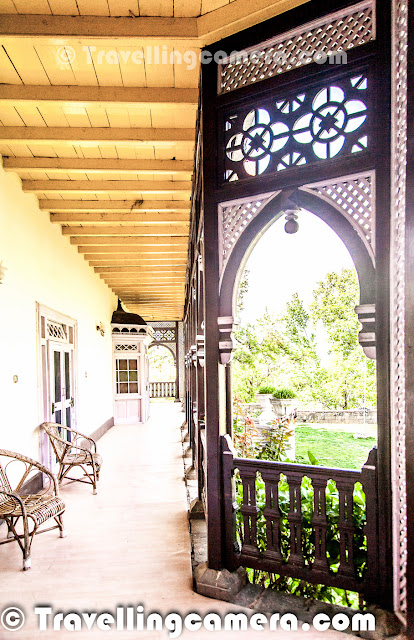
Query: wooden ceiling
(98, 106)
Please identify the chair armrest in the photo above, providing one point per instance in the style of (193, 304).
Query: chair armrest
(33, 463)
(18, 499)
(77, 433)
(71, 445)
(87, 438)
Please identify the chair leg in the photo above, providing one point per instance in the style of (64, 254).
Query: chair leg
(10, 533)
(27, 548)
(62, 530)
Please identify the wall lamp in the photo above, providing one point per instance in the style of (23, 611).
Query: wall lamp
(101, 328)
(3, 270)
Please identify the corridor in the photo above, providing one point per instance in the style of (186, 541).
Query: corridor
(126, 546)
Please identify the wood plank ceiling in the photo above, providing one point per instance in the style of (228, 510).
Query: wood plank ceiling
(98, 106)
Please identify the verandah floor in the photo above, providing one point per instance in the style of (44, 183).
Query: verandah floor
(126, 546)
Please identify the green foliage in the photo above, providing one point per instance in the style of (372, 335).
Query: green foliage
(331, 448)
(161, 364)
(275, 442)
(284, 352)
(312, 459)
(284, 394)
(243, 288)
(244, 431)
(266, 389)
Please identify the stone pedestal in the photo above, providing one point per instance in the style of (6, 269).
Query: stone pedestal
(221, 585)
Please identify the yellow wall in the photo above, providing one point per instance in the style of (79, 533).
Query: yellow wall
(43, 267)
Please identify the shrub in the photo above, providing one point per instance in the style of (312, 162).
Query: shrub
(284, 394)
(266, 389)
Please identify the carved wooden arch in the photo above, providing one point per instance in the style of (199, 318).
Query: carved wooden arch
(272, 211)
(163, 344)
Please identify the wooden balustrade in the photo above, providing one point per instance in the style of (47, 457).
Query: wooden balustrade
(302, 521)
(162, 389)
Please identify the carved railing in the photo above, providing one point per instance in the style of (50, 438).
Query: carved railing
(307, 522)
(162, 389)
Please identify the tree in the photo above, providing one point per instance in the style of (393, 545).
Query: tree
(284, 351)
(351, 377)
(161, 364)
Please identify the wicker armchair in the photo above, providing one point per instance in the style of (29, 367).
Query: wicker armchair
(23, 513)
(72, 452)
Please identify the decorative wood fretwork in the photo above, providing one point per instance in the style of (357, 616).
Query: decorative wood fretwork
(234, 217)
(367, 335)
(354, 197)
(301, 521)
(287, 131)
(126, 347)
(164, 335)
(312, 42)
(398, 278)
(56, 331)
(227, 326)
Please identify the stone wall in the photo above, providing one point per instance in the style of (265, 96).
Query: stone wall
(350, 416)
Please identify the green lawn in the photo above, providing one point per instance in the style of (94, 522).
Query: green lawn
(332, 448)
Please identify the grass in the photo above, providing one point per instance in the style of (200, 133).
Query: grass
(332, 448)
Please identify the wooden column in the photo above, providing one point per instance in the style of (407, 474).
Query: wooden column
(215, 523)
(409, 328)
(383, 208)
(177, 364)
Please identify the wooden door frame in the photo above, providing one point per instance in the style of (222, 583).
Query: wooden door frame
(376, 54)
(43, 315)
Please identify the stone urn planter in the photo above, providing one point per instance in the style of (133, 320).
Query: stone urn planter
(283, 406)
(264, 399)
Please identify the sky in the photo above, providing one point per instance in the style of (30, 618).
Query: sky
(282, 264)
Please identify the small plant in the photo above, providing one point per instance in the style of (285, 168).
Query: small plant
(266, 389)
(276, 440)
(284, 394)
(244, 431)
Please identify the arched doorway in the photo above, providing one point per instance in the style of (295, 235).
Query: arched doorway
(162, 372)
(297, 343)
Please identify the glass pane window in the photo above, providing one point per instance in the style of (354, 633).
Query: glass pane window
(56, 357)
(127, 375)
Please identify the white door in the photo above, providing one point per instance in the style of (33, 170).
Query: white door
(61, 384)
(128, 399)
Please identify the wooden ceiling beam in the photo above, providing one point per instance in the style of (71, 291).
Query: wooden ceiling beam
(121, 30)
(166, 229)
(104, 186)
(239, 15)
(96, 165)
(131, 251)
(102, 96)
(126, 260)
(101, 27)
(146, 217)
(131, 270)
(166, 278)
(157, 241)
(131, 264)
(97, 135)
(114, 206)
(160, 289)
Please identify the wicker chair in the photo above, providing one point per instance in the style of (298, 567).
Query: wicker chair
(24, 514)
(72, 452)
